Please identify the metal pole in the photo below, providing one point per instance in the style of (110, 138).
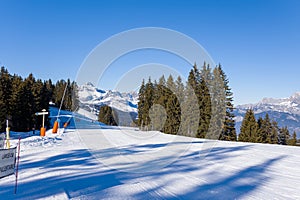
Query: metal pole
(44, 110)
(62, 100)
(17, 167)
(43, 120)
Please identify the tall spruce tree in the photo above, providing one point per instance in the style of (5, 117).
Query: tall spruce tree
(29, 102)
(50, 89)
(265, 129)
(179, 92)
(107, 116)
(191, 113)
(284, 135)
(249, 128)
(204, 107)
(74, 96)
(159, 114)
(293, 140)
(39, 104)
(5, 97)
(158, 117)
(228, 132)
(141, 105)
(17, 102)
(218, 103)
(179, 89)
(149, 94)
(59, 92)
(173, 109)
(171, 84)
(273, 135)
(68, 96)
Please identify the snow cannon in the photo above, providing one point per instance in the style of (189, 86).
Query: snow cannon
(55, 127)
(66, 124)
(43, 132)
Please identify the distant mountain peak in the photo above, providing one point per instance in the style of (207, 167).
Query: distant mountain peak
(92, 98)
(286, 111)
(296, 96)
(90, 84)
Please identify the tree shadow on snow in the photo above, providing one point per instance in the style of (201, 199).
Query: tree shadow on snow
(233, 186)
(94, 177)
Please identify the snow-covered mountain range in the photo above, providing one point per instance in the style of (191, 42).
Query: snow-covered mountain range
(92, 98)
(287, 105)
(286, 111)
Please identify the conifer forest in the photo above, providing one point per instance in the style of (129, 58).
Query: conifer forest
(21, 98)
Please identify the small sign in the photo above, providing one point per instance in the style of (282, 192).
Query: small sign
(42, 113)
(7, 161)
(2, 140)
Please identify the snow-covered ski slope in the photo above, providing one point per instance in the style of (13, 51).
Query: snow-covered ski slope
(125, 163)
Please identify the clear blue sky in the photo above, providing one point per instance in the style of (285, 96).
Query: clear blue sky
(256, 41)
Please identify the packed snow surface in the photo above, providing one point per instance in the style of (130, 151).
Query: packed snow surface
(125, 163)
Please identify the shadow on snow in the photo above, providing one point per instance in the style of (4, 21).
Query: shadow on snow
(72, 181)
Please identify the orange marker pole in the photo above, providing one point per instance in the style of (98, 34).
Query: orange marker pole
(55, 127)
(43, 132)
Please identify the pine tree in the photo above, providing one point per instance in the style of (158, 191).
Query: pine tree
(204, 107)
(273, 136)
(195, 80)
(293, 140)
(17, 102)
(5, 97)
(206, 73)
(228, 132)
(284, 135)
(107, 116)
(218, 112)
(46, 98)
(173, 109)
(39, 104)
(161, 92)
(179, 89)
(29, 102)
(146, 99)
(74, 96)
(265, 129)
(149, 94)
(68, 96)
(180, 94)
(190, 111)
(158, 117)
(158, 113)
(249, 128)
(59, 92)
(171, 84)
(141, 105)
(50, 90)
